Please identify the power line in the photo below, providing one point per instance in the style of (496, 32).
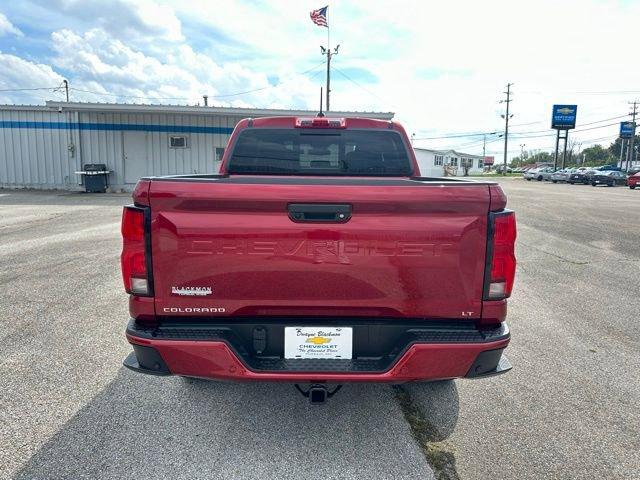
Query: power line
(582, 125)
(105, 94)
(269, 86)
(601, 92)
(227, 95)
(27, 89)
(363, 88)
(460, 135)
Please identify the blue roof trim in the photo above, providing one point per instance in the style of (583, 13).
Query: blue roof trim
(116, 126)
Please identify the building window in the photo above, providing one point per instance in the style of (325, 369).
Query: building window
(438, 162)
(467, 162)
(480, 163)
(454, 161)
(177, 141)
(219, 154)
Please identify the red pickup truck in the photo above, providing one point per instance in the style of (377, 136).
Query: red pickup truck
(318, 255)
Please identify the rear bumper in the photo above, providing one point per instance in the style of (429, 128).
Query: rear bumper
(420, 354)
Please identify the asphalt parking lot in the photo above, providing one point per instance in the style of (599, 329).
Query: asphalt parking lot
(568, 409)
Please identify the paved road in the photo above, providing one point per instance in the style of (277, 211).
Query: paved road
(567, 410)
(68, 409)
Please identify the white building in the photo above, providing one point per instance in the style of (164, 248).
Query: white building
(433, 163)
(43, 146)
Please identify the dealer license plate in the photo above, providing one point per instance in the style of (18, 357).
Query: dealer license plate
(318, 342)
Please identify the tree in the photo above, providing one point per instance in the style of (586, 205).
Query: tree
(529, 158)
(615, 147)
(598, 155)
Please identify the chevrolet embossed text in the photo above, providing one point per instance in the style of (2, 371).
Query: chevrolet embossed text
(315, 248)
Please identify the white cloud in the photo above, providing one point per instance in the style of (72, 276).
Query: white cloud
(441, 67)
(7, 28)
(469, 49)
(134, 20)
(19, 73)
(105, 65)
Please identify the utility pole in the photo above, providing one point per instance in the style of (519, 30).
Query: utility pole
(630, 147)
(66, 89)
(506, 126)
(484, 147)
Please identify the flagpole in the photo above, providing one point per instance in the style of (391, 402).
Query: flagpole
(328, 59)
(328, 30)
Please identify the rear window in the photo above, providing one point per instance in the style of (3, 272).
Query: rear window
(327, 152)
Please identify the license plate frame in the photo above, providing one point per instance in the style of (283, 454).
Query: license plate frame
(321, 343)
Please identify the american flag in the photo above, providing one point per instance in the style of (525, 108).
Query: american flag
(319, 17)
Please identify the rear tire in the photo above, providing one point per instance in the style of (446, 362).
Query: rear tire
(632, 187)
(539, 178)
(593, 184)
(528, 179)
(570, 183)
(554, 181)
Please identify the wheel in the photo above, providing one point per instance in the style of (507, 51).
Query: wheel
(570, 183)
(554, 181)
(632, 187)
(539, 178)
(593, 184)
(528, 179)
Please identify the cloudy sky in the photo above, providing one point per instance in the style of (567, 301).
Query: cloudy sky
(440, 66)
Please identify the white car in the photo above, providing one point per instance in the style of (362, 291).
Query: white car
(562, 175)
(539, 174)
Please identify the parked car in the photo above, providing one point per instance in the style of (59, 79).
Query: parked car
(581, 176)
(561, 175)
(279, 268)
(610, 178)
(530, 174)
(546, 173)
(633, 180)
(539, 174)
(608, 167)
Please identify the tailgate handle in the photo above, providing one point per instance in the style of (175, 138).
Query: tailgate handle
(319, 212)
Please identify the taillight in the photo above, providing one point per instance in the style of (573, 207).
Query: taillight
(501, 258)
(135, 273)
(321, 122)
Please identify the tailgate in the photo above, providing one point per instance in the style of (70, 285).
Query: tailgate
(228, 246)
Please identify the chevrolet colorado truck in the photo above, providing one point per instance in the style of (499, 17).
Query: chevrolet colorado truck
(318, 255)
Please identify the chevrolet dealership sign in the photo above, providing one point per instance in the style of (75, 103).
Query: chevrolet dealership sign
(564, 117)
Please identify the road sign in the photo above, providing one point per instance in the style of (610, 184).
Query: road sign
(627, 129)
(564, 117)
